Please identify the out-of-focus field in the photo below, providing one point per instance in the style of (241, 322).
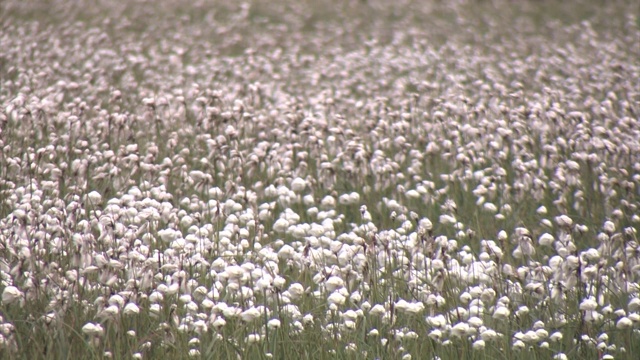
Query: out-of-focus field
(319, 179)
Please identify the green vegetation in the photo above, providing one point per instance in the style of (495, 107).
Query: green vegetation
(319, 180)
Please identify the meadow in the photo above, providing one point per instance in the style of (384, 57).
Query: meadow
(319, 179)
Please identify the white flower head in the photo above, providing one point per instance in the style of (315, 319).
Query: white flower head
(131, 309)
(11, 295)
(564, 221)
(273, 324)
(92, 329)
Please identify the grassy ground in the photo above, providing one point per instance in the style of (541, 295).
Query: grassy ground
(319, 179)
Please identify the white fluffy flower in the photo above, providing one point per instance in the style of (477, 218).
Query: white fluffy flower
(460, 329)
(92, 329)
(11, 294)
(250, 314)
(281, 225)
(131, 309)
(273, 324)
(377, 310)
(546, 239)
(501, 313)
(336, 298)
(564, 221)
(478, 345)
(624, 323)
(94, 198)
(333, 283)
(298, 185)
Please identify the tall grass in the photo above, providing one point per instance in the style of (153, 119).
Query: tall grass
(319, 180)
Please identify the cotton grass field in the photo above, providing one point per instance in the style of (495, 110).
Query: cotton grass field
(319, 180)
